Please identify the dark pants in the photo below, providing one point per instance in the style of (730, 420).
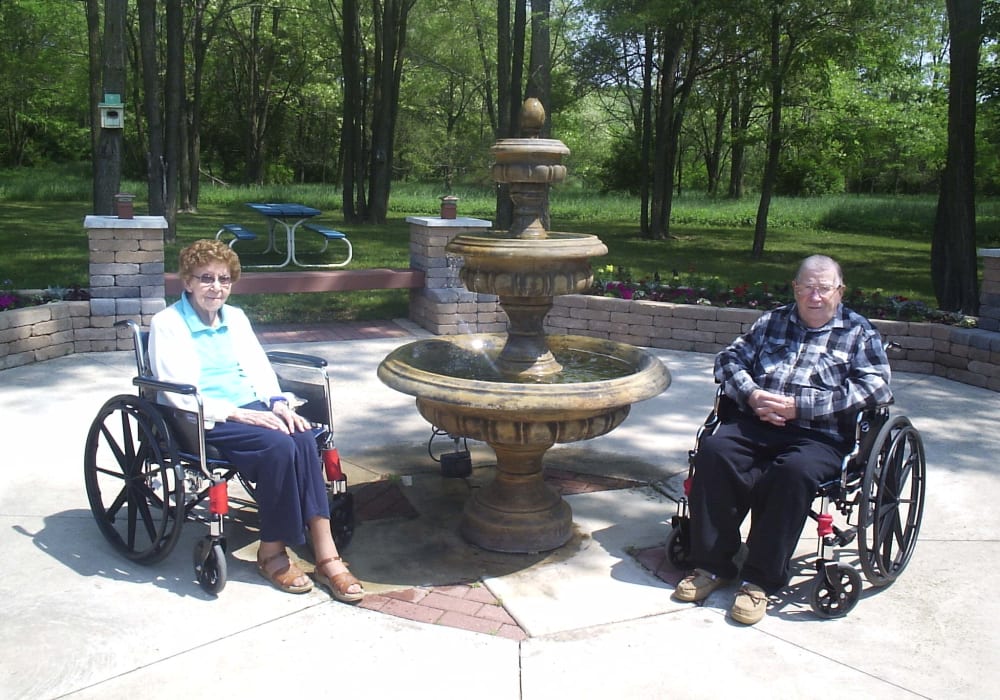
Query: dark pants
(772, 473)
(286, 469)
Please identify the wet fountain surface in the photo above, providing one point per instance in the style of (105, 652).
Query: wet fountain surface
(523, 391)
(588, 364)
(478, 361)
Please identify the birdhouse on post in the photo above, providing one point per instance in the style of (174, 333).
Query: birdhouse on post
(112, 111)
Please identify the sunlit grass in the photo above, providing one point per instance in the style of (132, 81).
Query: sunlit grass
(882, 242)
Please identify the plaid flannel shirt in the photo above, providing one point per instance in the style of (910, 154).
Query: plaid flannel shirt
(833, 371)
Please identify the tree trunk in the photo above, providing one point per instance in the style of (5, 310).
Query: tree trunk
(773, 140)
(672, 166)
(351, 133)
(953, 246)
(488, 98)
(154, 122)
(646, 129)
(540, 62)
(201, 37)
(510, 71)
(108, 158)
(663, 176)
(388, 79)
(739, 120)
(713, 147)
(93, 12)
(258, 74)
(174, 114)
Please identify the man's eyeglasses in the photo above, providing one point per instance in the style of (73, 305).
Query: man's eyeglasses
(209, 280)
(824, 290)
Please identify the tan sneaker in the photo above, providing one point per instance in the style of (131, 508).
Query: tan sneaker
(750, 604)
(698, 585)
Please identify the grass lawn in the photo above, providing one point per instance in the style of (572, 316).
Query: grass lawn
(881, 242)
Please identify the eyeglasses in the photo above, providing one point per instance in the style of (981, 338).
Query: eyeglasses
(824, 290)
(209, 280)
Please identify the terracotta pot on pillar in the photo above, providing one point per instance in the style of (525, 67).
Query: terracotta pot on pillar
(124, 208)
(449, 207)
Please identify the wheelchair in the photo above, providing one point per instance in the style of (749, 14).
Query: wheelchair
(147, 469)
(879, 496)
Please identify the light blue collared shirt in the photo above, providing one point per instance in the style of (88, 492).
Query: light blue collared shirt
(221, 375)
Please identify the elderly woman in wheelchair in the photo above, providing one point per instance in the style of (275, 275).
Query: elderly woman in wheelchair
(204, 342)
(784, 431)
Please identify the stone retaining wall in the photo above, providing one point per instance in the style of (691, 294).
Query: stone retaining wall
(126, 281)
(37, 333)
(967, 355)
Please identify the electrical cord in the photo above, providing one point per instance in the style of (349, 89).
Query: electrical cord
(437, 432)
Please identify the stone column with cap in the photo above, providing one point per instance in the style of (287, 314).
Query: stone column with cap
(126, 276)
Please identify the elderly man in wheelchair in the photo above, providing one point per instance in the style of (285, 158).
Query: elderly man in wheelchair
(791, 390)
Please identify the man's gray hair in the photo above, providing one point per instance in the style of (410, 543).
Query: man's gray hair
(815, 261)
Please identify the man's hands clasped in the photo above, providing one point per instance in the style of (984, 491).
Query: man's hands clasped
(776, 409)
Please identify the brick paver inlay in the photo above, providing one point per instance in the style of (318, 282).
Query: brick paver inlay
(464, 606)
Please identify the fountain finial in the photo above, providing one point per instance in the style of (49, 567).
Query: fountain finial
(532, 117)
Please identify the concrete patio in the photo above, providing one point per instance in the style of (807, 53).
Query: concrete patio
(590, 620)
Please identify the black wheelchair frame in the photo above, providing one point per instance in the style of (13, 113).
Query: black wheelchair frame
(880, 495)
(147, 468)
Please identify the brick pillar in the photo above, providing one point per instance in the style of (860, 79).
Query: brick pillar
(444, 306)
(126, 275)
(989, 293)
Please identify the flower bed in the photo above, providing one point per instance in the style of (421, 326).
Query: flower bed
(618, 282)
(11, 298)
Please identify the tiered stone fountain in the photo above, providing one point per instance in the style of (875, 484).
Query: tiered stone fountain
(522, 392)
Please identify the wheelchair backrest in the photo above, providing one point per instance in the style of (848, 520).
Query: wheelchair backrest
(869, 423)
(317, 402)
(140, 346)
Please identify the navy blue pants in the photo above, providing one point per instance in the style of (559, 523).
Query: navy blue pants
(772, 473)
(287, 472)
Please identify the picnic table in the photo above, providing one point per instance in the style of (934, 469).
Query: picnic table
(289, 216)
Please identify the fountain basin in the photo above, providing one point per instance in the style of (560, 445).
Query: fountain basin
(459, 371)
(508, 265)
(460, 390)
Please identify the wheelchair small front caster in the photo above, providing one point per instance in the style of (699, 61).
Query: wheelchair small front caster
(341, 518)
(836, 590)
(678, 546)
(210, 564)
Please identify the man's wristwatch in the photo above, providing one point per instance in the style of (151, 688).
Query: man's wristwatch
(276, 399)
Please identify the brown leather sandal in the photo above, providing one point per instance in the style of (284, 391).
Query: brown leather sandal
(338, 584)
(283, 577)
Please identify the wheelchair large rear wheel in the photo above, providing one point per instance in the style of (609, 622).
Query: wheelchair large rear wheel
(892, 504)
(134, 482)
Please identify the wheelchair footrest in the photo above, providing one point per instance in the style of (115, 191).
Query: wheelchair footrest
(841, 538)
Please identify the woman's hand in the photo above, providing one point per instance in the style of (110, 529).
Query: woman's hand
(281, 417)
(772, 408)
(293, 421)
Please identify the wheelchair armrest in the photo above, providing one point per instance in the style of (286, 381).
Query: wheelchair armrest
(170, 387)
(294, 358)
